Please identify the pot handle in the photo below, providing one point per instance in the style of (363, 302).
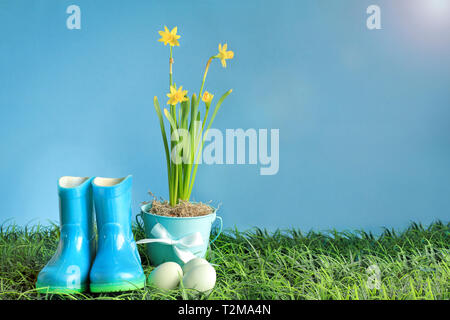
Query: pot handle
(220, 229)
(139, 223)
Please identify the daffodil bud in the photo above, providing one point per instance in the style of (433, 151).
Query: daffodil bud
(207, 98)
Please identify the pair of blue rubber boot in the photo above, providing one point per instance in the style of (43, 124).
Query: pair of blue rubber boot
(79, 264)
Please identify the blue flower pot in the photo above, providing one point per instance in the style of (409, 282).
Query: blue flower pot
(177, 229)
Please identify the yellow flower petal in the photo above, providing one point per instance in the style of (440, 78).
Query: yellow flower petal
(176, 95)
(169, 37)
(223, 54)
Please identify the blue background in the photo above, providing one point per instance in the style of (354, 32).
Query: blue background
(364, 115)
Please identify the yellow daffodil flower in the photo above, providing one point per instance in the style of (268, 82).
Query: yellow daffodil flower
(207, 97)
(176, 95)
(169, 37)
(223, 54)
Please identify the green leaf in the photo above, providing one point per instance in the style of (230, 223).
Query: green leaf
(163, 131)
(194, 173)
(173, 124)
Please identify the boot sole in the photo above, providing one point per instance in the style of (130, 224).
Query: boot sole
(118, 286)
(60, 290)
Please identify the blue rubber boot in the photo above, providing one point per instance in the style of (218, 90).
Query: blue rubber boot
(68, 270)
(117, 265)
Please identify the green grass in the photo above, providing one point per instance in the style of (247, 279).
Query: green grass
(414, 264)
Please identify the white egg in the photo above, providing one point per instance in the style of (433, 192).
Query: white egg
(166, 276)
(201, 278)
(193, 263)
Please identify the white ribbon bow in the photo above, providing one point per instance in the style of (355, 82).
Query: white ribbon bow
(161, 235)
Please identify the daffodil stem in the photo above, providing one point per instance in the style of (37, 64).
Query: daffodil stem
(173, 113)
(170, 68)
(173, 188)
(204, 76)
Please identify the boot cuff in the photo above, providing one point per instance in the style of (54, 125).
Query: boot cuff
(111, 187)
(73, 187)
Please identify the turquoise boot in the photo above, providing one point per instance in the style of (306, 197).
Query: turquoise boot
(68, 270)
(117, 265)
